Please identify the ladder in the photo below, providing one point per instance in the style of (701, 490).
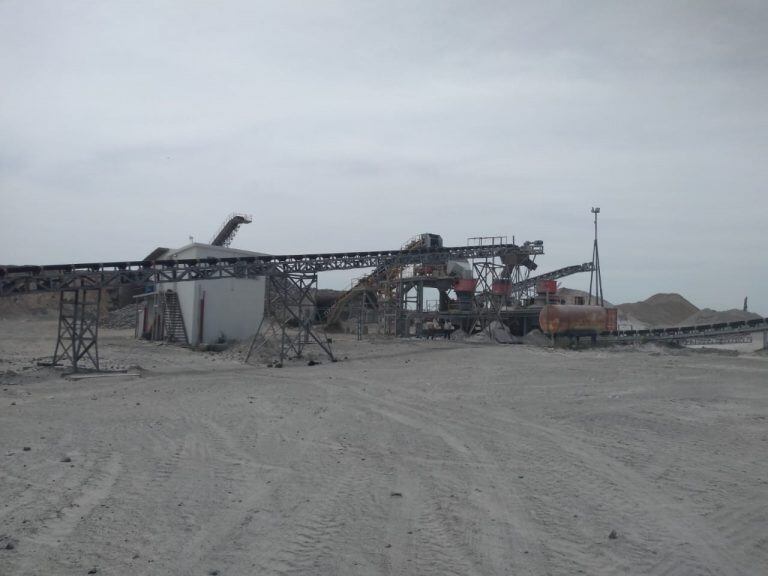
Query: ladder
(173, 320)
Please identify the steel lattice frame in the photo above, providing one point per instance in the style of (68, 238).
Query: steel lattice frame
(78, 329)
(291, 300)
(487, 304)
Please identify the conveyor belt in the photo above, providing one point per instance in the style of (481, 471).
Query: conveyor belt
(682, 333)
(230, 227)
(554, 275)
(380, 273)
(55, 277)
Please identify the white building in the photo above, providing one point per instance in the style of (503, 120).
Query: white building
(212, 310)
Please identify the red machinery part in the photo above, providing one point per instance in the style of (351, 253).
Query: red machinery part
(465, 285)
(566, 320)
(501, 287)
(546, 287)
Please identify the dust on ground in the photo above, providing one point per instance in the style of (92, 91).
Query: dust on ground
(408, 457)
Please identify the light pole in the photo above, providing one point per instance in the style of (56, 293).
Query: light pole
(594, 276)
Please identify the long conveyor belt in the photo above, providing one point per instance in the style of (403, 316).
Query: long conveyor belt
(54, 277)
(688, 333)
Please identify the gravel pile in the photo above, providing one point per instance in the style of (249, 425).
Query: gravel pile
(709, 316)
(536, 338)
(124, 317)
(660, 310)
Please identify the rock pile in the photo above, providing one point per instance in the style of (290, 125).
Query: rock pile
(660, 310)
(124, 317)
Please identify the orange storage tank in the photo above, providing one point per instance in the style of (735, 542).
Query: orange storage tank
(565, 320)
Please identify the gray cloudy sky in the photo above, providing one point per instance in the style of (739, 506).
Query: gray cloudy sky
(355, 125)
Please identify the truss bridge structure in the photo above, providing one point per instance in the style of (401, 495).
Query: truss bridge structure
(16, 280)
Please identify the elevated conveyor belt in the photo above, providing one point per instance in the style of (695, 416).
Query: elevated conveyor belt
(380, 274)
(54, 277)
(554, 275)
(227, 232)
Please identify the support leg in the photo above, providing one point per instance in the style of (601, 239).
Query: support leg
(78, 329)
(291, 307)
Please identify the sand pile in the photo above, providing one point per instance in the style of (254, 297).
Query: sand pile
(660, 310)
(709, 316)
(536, 338)
(500, 333)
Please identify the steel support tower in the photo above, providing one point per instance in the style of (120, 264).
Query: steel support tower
(78, 329)
(290, 313)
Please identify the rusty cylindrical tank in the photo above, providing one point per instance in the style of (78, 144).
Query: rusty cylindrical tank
(565, 320)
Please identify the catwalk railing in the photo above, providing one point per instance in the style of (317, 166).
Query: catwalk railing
(53, 278)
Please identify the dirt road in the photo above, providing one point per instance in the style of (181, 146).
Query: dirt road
(408, 458)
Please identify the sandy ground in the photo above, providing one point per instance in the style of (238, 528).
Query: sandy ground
(407, 458)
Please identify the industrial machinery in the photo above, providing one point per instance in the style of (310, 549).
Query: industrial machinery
(472, 292)
(382, 277)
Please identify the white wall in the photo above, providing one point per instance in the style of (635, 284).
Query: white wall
(233, 308)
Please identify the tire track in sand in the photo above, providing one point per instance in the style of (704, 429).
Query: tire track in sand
(466, 546)
(95, 490)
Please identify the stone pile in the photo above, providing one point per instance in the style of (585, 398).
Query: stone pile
(124, 317)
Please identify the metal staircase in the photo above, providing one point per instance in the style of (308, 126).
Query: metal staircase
(173, 319)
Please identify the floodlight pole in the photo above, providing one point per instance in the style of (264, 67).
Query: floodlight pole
(595, 275)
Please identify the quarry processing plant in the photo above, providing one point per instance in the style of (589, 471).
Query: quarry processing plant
(291, 281)
(202, 293)
(472, 292)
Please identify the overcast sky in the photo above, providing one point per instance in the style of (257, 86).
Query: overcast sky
(355, 125)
